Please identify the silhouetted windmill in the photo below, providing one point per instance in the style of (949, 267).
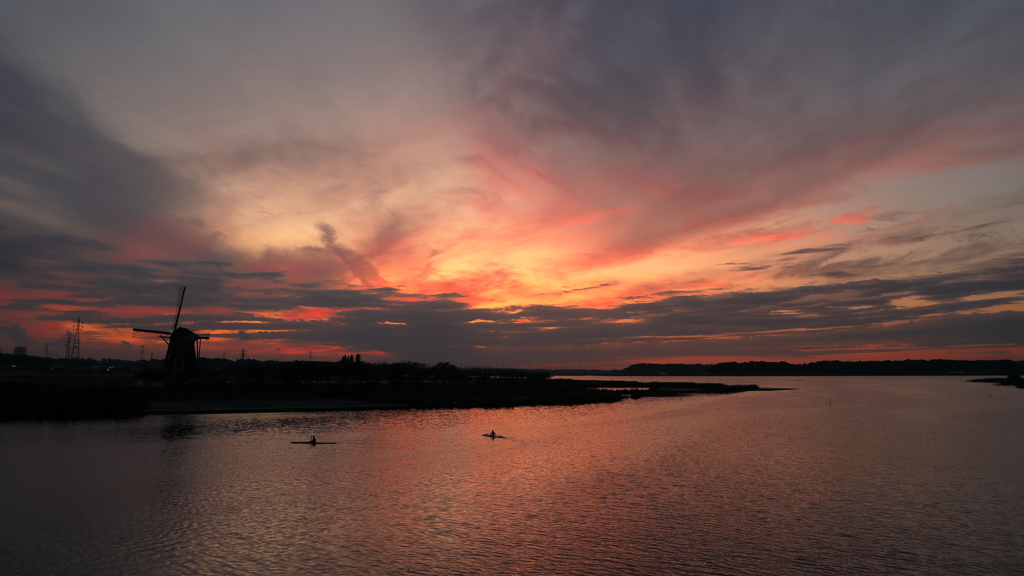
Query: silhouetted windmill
(183, 345)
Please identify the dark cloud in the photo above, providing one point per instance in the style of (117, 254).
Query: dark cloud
(447, 295)
(16, 333)
(56, 163)
(951, 311)
(963, 247)
(585, 288)
(180, 265)
(824, 249)
(17, 251)
(908, 238)
(894, 216)
(751, 105)
(360, 267)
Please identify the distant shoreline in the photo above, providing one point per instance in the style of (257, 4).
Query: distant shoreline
(1013, 380)
(820, 368)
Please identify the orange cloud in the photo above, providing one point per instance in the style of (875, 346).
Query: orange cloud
(749, 237)
(850, 218)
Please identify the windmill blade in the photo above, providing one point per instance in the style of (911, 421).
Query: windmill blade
(178, 315)
(150, 331)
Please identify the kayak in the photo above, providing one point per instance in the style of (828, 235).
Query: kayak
(494, 436)
(310, 442)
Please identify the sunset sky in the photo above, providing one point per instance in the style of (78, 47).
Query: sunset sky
(515, 183)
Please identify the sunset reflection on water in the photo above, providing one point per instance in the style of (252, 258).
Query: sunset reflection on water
(901, 475)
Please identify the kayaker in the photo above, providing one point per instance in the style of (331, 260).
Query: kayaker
(493, 434)
(312, 439)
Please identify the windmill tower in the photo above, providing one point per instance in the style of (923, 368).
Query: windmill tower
(183, 345)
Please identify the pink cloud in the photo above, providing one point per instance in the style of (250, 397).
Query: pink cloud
(865, 215)
(850, 218)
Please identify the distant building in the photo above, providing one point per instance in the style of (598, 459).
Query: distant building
(20, 351)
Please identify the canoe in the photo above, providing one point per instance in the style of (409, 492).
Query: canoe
(310, 442)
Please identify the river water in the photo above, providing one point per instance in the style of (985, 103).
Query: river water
(909, 475)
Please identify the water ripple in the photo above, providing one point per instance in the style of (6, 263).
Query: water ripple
(892, 480)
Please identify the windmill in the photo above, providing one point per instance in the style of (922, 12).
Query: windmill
(183, 345)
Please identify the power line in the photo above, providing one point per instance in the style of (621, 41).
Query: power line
(74, 340)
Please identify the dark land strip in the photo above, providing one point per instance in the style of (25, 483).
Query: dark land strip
(34, 388)
(1011, 380)
(41, 396)
(249, 406)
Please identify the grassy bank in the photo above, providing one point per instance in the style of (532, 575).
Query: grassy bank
(71, 397)
(56, 396)
(63, 401)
